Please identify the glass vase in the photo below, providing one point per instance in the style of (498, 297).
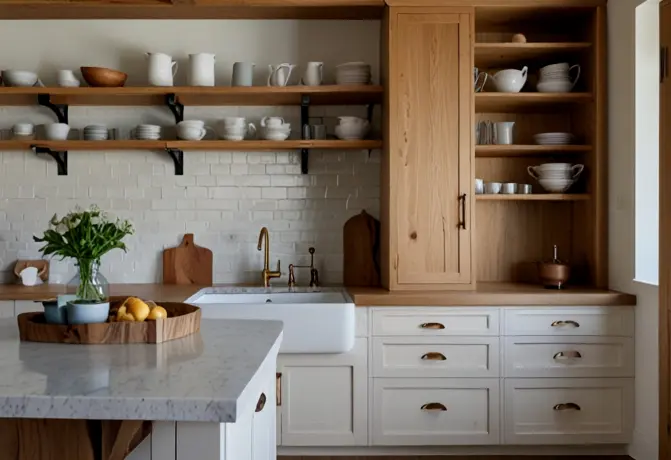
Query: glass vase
(89, 284)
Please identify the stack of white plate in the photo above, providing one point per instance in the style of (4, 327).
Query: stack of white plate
(146, 132)
(554, 138)
(96, 133)
(353, 73)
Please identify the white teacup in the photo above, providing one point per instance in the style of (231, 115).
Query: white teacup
(192, 133)
(192, 123)
(234, 121)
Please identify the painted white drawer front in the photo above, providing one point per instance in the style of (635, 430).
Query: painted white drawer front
(614, 321)
(543, 356)
(568, 411)
(436, 357)
(361, 328)
(435, 411)
(436, 321)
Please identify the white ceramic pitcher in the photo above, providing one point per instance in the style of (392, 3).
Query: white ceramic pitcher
(279, 76)
(313, 74)
(201, 69)
(162, 69)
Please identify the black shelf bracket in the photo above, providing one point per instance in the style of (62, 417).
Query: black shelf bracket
(305, 130)
(176, 107)
(61, 110)
(177, 156)
(61, 158)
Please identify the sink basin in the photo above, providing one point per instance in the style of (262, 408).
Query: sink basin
(314, 322)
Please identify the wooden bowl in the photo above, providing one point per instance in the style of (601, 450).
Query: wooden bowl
(103, 77)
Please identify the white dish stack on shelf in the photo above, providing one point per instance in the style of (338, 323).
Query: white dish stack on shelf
(96, 133)
(556, 78)
(554, 139)
(146, 132)
(353, 73)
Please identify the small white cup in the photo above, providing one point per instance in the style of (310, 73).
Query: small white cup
(509, 188)
(234, 121)
(29, 276)
(479, 186)
(493, 188)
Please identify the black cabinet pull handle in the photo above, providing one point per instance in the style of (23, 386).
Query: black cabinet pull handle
(462, 224)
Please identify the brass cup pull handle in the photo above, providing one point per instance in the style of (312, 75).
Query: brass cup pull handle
(434, 406)
(567, 355)
(565, 323)
(261, 403)
(566, 406)
(433, 356)
(432, 326)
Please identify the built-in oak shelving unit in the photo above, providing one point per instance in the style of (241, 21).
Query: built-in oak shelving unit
(513, 232)
(176, 98)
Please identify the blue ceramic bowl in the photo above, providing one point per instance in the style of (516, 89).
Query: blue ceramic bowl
(79, 313)
(55, 313)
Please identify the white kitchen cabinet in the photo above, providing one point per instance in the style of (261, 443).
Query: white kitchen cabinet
(575, 356)
(568, 411)
(554, 321)
(435, 321)
(435, 412)
(6, 308)
(435, 356)
(324, 398)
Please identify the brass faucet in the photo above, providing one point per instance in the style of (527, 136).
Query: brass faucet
(266, 273)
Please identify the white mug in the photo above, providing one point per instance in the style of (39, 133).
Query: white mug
(479, 186)
(493, 188)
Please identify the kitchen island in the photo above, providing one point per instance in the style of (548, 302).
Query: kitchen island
(209, 396)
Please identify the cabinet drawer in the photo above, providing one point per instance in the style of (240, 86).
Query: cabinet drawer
(544, 356)
(436, 357)
(436, 321)
(568, 411)
(569, 321)
(435, 411)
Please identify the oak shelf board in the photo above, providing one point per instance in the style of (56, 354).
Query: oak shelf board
(535, 197)
(503, 54)
(506, 151)
(516, 102)
(194, 95)
(111, 145)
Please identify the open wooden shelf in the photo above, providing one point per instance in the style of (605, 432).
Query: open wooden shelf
(535, 197)
(515, 102)
(504, 151)
(192, 95)
(73, 145)
(504, 54)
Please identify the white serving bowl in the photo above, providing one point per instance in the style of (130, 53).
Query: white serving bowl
(56, 131)
(554, 86)
(21, 78)
(555, 185)
(351, 132)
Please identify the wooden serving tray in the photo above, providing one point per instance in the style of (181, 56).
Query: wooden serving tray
(183, 319)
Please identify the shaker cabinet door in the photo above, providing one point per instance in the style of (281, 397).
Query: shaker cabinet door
(430, 152)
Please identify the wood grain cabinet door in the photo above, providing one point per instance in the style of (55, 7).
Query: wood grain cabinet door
(430, 150)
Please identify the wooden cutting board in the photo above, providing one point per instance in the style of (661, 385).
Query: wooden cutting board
(187, 264)
(361, 237)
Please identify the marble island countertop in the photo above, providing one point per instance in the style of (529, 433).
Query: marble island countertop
(486, 294)
(199, 378)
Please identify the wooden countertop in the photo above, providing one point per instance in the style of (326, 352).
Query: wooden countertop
(489, 294)
(494, 294)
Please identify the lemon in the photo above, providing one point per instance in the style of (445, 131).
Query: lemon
(137, 308)
(158, 312)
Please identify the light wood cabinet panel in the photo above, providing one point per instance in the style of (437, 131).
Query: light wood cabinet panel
(430, 106)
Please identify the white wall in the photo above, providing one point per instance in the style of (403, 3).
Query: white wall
(223, 197)
(622, 141)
